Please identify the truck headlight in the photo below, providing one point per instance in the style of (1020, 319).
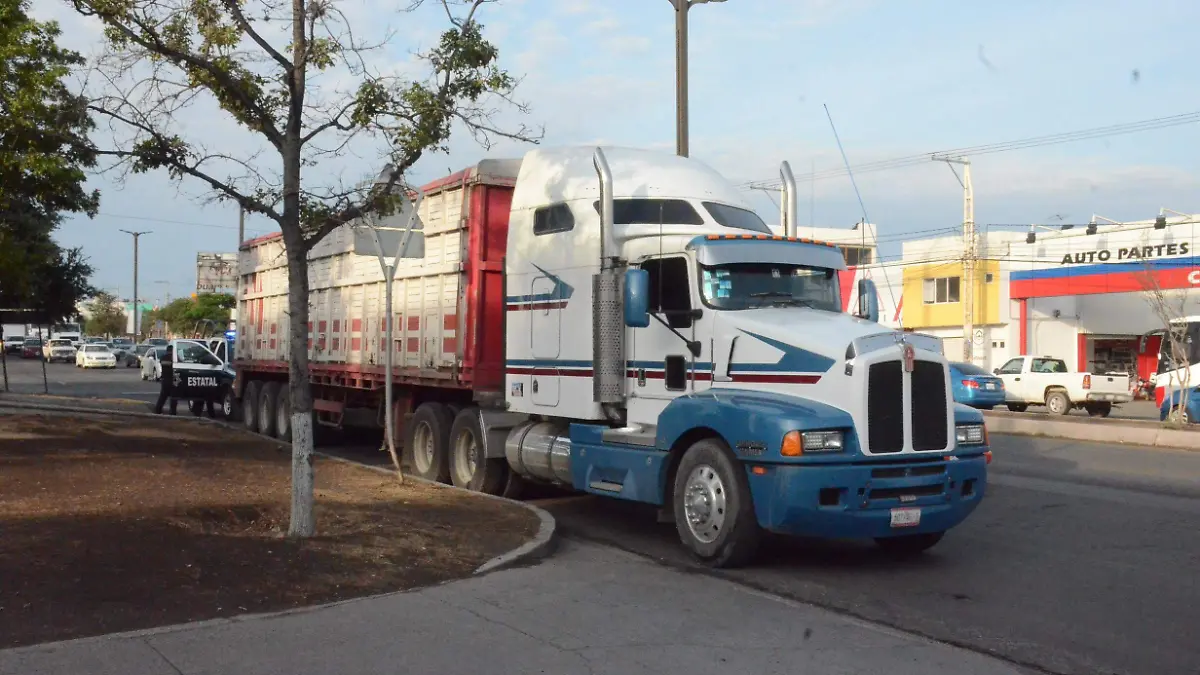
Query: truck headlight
(970, 434)
(797, 443)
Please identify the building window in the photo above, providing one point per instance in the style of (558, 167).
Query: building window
(941, 290)
(987, 278)
(856, 256)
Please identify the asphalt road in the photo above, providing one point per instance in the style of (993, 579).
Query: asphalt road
(25, 377)
(1082, 559)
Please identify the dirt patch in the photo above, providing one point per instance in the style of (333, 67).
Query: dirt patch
(109, 525)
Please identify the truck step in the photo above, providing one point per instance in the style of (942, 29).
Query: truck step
(605, 486)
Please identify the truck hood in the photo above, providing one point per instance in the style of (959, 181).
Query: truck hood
(823, 336)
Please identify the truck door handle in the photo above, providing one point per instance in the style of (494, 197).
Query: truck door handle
(1016, 379)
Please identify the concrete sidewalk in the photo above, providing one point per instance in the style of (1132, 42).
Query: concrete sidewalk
(590, 611)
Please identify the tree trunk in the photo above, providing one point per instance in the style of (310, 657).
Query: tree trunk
(303, 522)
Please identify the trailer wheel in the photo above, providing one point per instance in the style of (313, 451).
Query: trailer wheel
(714, 513)
(425, 439)
(250, 405)
(910, 544)
(268, 403)
(469, 468)
(283, 415)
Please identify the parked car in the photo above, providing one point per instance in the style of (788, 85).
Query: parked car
(58, 350)
(13, 344)
(32, 348)
(151, 368)
(120, 347)
(976, 387)
(132, 358)
(95, 356)
(1042, 380)
(158, 342)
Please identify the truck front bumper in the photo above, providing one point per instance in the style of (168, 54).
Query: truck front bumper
(852, 501)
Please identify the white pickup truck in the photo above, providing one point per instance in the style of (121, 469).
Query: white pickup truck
(1041, 380)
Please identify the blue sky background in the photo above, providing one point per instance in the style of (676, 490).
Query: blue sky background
(900, 77)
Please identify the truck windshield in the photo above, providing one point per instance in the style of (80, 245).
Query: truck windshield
(737, 286)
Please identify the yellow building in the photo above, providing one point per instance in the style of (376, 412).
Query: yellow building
(933, 294)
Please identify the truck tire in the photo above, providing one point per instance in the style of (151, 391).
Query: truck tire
(425, 439)
(910, 544)
(268, 402)
(1099, 409)
(514, 486)
(250, 405)
(283, 414)
(1017, 407)
(196, 406)
(1057, 402)
(714, 512)
(469, 468)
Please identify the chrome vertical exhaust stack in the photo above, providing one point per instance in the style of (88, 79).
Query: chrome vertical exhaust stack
(787, 203)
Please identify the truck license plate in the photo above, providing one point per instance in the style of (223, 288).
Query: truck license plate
(906, 517)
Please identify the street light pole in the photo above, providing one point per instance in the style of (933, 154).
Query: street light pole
(136, 328)
(681, 72)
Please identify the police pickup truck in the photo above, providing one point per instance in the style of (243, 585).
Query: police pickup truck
(201, 372)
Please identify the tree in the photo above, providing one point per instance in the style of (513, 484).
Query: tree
(164, 55)
(106, 316)
(1168, 307)
(44, 155)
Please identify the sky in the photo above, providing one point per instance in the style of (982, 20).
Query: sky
(899, 78)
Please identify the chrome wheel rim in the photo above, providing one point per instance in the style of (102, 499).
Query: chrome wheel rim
(466, 457)
(227, 405)
(423, 447)
(704, 503)
(1056, 405)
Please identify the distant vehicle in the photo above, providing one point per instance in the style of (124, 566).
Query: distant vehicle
(158, 342)
(32, 348)
(95, 356)
(976, 387)
(1042, 380)
(151, 368)
(58, 349)
(13, 344)
(132, 358)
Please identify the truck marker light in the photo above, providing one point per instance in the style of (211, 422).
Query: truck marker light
(987, 457)
(758, 470)
(792, 445)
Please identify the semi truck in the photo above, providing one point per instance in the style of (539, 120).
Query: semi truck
(621, 323)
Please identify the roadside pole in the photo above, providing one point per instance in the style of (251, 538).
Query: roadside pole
(42, 357)
(389, 275)
(3, 358)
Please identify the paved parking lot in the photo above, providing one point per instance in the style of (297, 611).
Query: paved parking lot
(25, 377)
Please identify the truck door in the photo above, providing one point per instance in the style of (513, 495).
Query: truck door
(660, 367)
(1011, 374)
(197, 371)
(545, 337)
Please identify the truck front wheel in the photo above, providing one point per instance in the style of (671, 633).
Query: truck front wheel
(426, 436)
(714, 513)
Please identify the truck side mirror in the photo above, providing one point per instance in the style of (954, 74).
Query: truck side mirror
(995, 371)
(868, 301)
(637, 298)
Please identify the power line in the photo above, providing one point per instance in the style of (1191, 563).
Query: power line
(1005, 146)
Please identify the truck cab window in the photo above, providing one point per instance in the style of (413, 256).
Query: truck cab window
(738, 286)
(1013, 367)
(670, 292)
(652, 212)
(554, 218)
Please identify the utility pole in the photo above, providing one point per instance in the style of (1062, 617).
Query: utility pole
(970, 253)
(137, 329)
(681, 72)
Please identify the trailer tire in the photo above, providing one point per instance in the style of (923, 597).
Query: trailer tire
(283, 415)
(268, 402)
(250, 405)
(469, 467)
(1057, 402)
(429, 428)
(714, 512)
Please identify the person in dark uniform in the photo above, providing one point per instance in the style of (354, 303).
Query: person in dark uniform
(168, 382)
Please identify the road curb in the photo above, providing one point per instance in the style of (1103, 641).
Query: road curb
(47, 407)
(541, 546)
(1121, 432)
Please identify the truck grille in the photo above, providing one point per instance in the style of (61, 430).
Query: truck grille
(929, 406)
(885, 407)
